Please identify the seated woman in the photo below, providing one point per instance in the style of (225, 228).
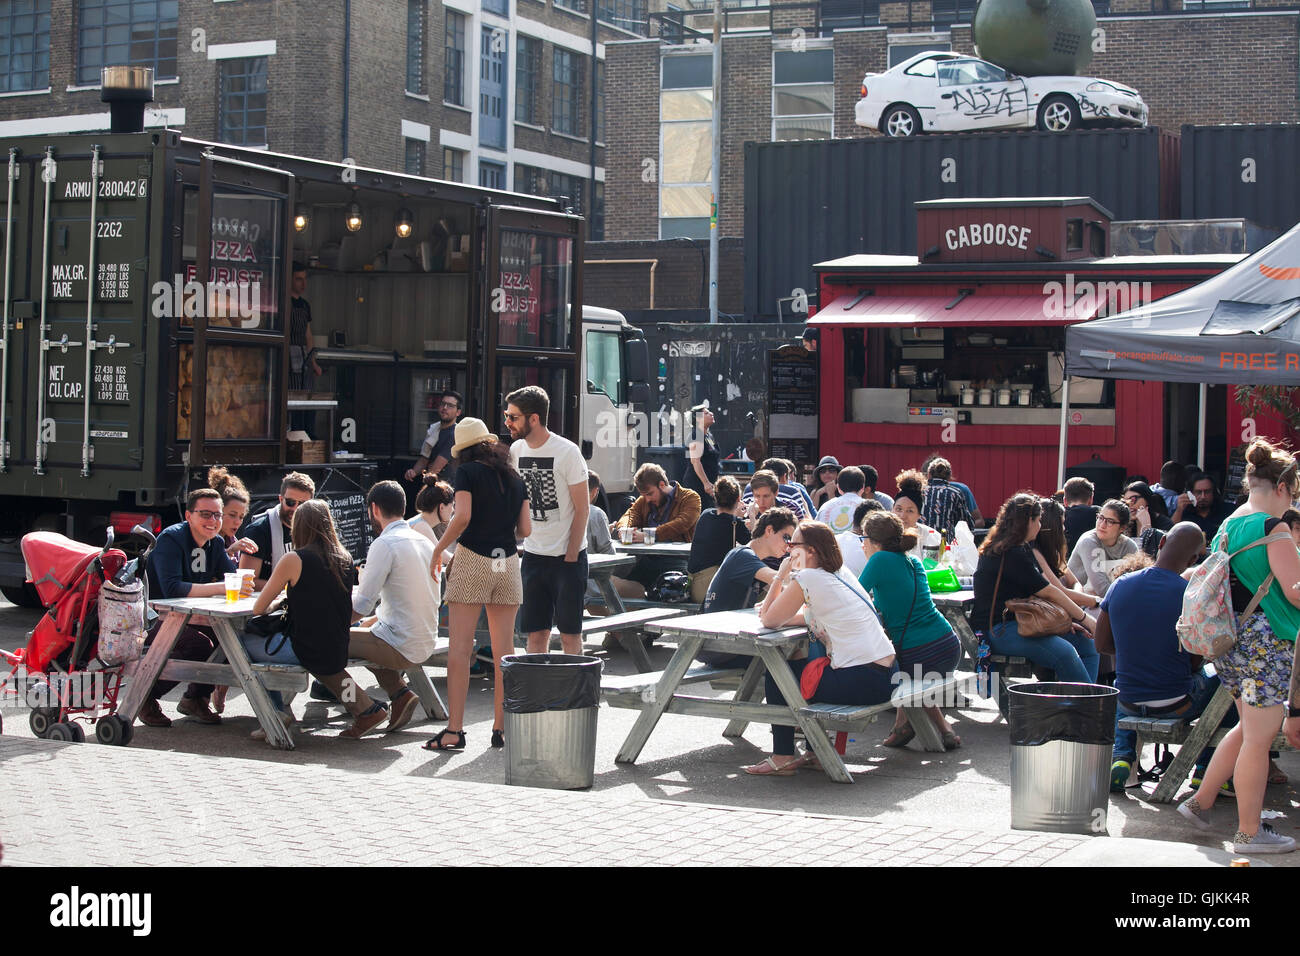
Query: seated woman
(319, 575)
(1098, 552)
(235, 502)
(435, 503)
(860, 663)
(1007, 570)
(926, 644)
(1052, 557)
(908, 504)
(1150, 516)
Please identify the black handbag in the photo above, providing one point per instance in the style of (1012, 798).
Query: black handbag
(270, 625)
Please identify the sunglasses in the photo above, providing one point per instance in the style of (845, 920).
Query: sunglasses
(291, 504)
(513, 418)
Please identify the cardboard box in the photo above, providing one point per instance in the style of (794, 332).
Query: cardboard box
(458, 253)
(306, 452)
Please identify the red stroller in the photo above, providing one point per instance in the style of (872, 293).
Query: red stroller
(71, 669)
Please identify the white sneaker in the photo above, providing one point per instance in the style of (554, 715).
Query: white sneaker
(1190, 809)
(1267, 840)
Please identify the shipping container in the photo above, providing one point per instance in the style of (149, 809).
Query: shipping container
(1242, 171)
(807, 202)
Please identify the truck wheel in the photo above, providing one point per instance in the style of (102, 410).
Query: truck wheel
(41, 719)
(113, 731)
(23, 595)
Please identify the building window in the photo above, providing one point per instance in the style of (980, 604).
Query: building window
(242, 102)
(566, 93)
(415, 157)
(530, 180)
(898, 52)
(947, 12)
(596, 224)
(803, 94)
(528, 77)
(453, 82)
(493, 45)
(685, 146)
(1212, 5)
(499, 7)
(491, 175)
(126, 33)
(627, 14)
(847, 14)
(600, 101)
(453, 164)
(577, 6)
(415, 46)
(24, 45)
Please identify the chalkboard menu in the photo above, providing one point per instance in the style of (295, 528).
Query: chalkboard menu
(349, 509)
(1234, 484)
(792, 404)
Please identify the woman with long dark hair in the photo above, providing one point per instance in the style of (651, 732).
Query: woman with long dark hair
(1149, 516)
(319, 575)
(702, 458)
(491, 515)
(1008, 570)
(1053, 558)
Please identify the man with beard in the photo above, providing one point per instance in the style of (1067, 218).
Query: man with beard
(438, 442)
(271, 530)
(554, 565)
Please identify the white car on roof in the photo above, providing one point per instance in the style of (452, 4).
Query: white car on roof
(942, 92)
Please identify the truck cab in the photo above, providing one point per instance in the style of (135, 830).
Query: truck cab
(614, 400)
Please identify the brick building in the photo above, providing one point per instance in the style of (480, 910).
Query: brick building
(497, 92)
(793, 71)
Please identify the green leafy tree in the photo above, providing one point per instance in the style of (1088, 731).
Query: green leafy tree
(1280, 400)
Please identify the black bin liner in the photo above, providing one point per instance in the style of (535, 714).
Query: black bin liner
(533, 683)
(1078, 713)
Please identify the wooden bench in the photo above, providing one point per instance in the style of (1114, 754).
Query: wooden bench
(910, 695)
(630, 691)
(627, 628)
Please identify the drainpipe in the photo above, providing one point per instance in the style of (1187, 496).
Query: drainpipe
(347, 68)
(591, 206)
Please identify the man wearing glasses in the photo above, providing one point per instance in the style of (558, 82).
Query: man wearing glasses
(438, 442)
(189, 560)
(272, 529)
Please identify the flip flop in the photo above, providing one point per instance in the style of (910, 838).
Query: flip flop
(768, 768)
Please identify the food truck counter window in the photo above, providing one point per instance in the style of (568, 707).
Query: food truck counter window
(246, 264)
(532, 300)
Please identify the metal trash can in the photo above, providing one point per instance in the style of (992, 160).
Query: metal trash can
(1061, 741)
(551, 703)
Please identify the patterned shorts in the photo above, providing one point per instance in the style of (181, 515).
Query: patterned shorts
(1258, 668)
(475, 579)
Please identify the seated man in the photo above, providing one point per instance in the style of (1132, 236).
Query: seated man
(668, 508)
(719, 530)
(871, 477)
(945, 505)
(744, 573)
(792, 496)
(189, 560)
(766, 495)
(1154, 675)
(402, 633)
(271, 530)
(1204, 508)
(850, 542)
(838, 512)
(1080, 512)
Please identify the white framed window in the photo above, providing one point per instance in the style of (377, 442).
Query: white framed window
(803, 94)
(685, 145)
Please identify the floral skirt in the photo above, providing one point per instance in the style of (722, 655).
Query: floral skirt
(1258, 668)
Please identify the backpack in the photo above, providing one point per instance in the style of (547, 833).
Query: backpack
(1208, 625)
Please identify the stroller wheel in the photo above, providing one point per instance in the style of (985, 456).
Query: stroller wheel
(78, 732)
(113, 731)
(41, 719)
(63, 731)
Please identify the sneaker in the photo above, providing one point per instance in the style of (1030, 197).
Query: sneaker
(197, 707)
(1267, 840)
(1192, 811)
(401, 710)
(151, 715)
(320, 692)
(367, 722)
(1119, 773)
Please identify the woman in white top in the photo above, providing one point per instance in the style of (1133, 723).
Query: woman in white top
(436, 505)
(859, 665)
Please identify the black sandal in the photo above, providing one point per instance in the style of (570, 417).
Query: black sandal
(438, 741)
(498, 738)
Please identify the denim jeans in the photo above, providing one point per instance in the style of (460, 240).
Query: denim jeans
(1203, 689)
(255, 646)
(863, 684)
(1072, 656)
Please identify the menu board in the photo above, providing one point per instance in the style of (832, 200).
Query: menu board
(792, 404)
(349, 510)
(1234, 483)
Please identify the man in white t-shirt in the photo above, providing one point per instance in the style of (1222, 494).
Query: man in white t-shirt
(838, 512)
(554, 566)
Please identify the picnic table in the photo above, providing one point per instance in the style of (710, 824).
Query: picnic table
(227, 620)
(742, 633)
(660, 549)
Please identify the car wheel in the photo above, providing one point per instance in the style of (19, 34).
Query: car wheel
(900, 122)
(23, 595)
(1058, 114)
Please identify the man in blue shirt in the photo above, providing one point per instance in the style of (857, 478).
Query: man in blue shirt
(1154, 675)
(189, 560)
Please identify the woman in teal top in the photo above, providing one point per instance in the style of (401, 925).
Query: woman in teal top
(926, 645)
(1258, 669)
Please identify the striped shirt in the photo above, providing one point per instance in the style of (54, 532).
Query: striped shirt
(944, 507)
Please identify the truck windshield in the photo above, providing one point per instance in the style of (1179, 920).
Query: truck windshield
(532, 300)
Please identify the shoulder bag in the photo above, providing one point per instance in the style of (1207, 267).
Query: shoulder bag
(1035, 617)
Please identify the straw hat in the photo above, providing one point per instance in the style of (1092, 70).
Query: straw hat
(470, 431)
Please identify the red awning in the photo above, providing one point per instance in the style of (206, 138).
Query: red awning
(909, 311)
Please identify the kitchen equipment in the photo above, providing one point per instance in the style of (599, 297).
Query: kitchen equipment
(906, 375)
(967, 395)
(986, 396)
(955, 386)
(1024, 396)
(1083, 391)
(1004, 395)
(923, 396)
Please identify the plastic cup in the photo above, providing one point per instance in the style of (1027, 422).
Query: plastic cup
(234, 584)
(247, 580)
(649, 535)
(625, 535)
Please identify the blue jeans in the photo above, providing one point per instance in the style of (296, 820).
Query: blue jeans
(1203, 688)
(863, 684)
(1072, 656)
(255, 646)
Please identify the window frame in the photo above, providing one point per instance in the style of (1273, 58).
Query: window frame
(416, 29)
(453, 72)
(88, 74)
(566, 109)
(37, 34)
(224, 95)
(777, 88)
(528, 77)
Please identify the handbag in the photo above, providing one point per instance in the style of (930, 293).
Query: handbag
(270, 625)
(1035, 617)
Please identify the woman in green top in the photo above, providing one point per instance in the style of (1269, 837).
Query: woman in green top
(926, 645)
(1260, 668)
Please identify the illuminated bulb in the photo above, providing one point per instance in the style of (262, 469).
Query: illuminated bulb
(300, 219)
(353, 221)
(404, 226)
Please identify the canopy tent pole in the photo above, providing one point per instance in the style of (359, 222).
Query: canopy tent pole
(1200, 428)
(1065, 412)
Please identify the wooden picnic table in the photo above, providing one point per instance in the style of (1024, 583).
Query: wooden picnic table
(660, 549)
(742, 633)
(955, 607)
(600, 568)
(227, 620)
